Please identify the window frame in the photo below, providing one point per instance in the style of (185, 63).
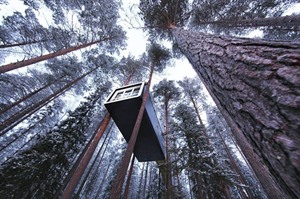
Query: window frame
(122, 93)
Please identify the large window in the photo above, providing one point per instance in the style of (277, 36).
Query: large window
(126, 93)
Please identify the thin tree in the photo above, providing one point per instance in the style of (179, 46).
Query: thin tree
(145, 181)
(167, 91)
(22, 43)
(253, 81)
(16, 103)
(86, 157)
(158, 57)
(140, 181)
(209, 179)
(192, 90)
(88, 173)
(15, 119)
(20, 64)
(129, 178)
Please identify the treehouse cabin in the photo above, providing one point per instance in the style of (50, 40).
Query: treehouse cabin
(123, 104)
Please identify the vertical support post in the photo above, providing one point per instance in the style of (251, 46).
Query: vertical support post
(117, 186)
(129, 178)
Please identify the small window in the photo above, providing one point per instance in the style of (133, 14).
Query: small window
(117, 96)
(126, 93)
(135, 91)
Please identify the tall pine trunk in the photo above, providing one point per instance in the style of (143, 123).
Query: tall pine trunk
(145, 181)
(75, 165)
(17, 118)
(257, 84)
(17, 102)
(118, 184)
(169, 185)
(87, 155)
(20, 64)
(293, 20)
(76, 176)
(23, 43)
(129, 178)
(236, 169)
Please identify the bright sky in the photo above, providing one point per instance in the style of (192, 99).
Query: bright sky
(137, 40)
(136, 37)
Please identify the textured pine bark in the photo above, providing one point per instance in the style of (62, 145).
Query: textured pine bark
(258, 84)
(289, 21)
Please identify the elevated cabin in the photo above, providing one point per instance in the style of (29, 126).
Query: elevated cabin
(123, 104)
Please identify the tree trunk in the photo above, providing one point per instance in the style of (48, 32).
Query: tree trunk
(199, 117)
(103, 180)
(95, 160)
(22, 43)
(20, 64)
(168, 163)
(23, 114)
(190, 186)
(69, 189)
(28, 96)
(86, 157)
(145, 180)
(257, 84)
(293, 20)
(71, 172)
(140, 182)
(236, 169)
(117, 186)
(178, 178)
(129, 178)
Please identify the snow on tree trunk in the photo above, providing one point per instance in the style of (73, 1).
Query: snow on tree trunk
(258, 84)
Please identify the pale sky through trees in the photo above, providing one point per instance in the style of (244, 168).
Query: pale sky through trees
(136, 43)
(64, 94)
(136, 38)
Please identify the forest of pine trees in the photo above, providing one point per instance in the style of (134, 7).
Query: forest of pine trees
(230, 129)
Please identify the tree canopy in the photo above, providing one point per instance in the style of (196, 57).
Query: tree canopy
(61, 59)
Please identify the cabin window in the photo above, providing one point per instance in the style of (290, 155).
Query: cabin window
(126, 93)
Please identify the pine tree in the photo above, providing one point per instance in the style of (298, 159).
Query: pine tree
(223, 142)
(286, 21)
(238, 13)
(247, 77)
(166, 92)
(209, 179)
(50, 157)
(158, 57)
(15, 119)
